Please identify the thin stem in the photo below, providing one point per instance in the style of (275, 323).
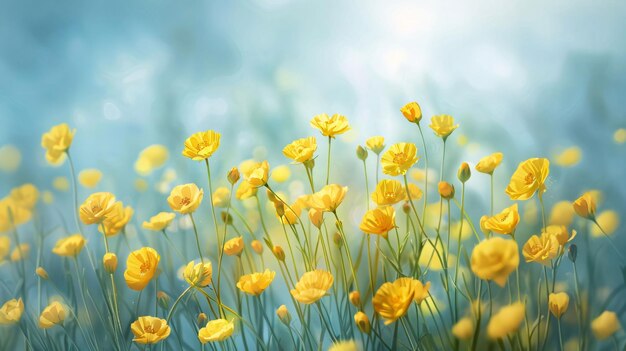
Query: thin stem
(195, 231)
(425, 172)
(328, 162)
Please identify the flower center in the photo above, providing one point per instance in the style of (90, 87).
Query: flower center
(185, 201)
(529, 179)
(96, 208)
(144, 268)
(399, 158)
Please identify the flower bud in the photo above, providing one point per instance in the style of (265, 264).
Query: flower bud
(41, 272)
(412, 112)
(280, 208)
(464, 172)
(446, 190)
(362, 322)
(337, 239)
(361, 153)
(309, 163)
(355, 298)
(283, 314)
(163, 300)
(257, 246)
(572, 252)
(202, 318)
(109, 261)
(406, 207)
(279, 253)
(233, 176)
(585, 206)
(316, 217)
(272, 197)
(226, 217)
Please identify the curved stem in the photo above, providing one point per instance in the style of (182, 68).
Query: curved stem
(195, 231)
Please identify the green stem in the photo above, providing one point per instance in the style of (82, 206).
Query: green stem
(328, 162)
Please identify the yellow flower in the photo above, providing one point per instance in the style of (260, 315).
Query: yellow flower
(56, 142)
(149, 330)
(362, 322)
(117, 219)
(608, 221)
(312, 286)
(96, 207)
(256, 283)
(70, 246)
(392, 300)
(562, 213)
(399, 158)
(415, 192)
(221, 197)
(61, 183)
(355, 298)
(185, 198)
(605, 325)
(316, 217)
(109, 261)
(506, 320)
(289, 215)
(585, 206)
(10, 158)
(504, 222)
(494, 259)
(560, 233)
(216, 330)
(443, 125)
(446, 190)
(376, 144)
(388, 192)
(463, 329)
(558, 303)
(89, 178)
(20, 252)
(619, 136)
(379, 221)
(199, 275)
(348, 345)
(330, 127)
(328, 198)
(569, 157)
(200, 146)
(160, 221)
(11, 311)
(42, 273)
(52, 315)
(283, 314)
(151, 158)
(301, 150)
(420, 291)
(234, 246)
(489, 163)
(257, 246)
(259, 174)
(141, 265)
(245, 191)
(541, 249)
(11, 214)
(25, 196)
(528, 179)
(412, 112)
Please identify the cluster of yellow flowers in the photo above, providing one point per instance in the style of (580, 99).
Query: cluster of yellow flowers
(405, 253)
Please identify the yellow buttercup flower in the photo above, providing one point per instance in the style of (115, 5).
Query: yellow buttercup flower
(117, 219)
(607, 220)
(347, 345)
(52, 315)
(20, 252)
(443, 125)
(11, 214)
(399, 158)
(507, 320)
(388, 192)
(494, 259)
(256, 283)
(392, 300)
(330, 126)
(376, 144)
(605, 325)
(560, 233)
(259, 174)
(199, 275)
(585, 206)
(160, 221)
(541, 249)
(89, 178)
(109, 261)
(412, 112)
(328, 198)
(25, 196)
(61, 183)
(234, 246)
(56, 142)
(96, 207)
(562, 213)
(489, 163)
(379, 221)
(149, 330)
(529, 178)
(70, 246)
(558, 303)
(283, 314)
(504, 222)
(141, 265)
(312, 286)
(245, 191)
(301, 150)
(420, 291)
(415, 192)
(216, 330)
(185, 198)
(568, 157)
(362, 322)
(151, 158)
(463, 329)
(200, 146)
(221, 197)
(11, 311)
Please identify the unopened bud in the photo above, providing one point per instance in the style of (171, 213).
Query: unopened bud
(257, 246)
(283, 314)
(279, 253)
(464, 172)
(163, 299)
(446, 190)
(280, 208)
(362, 322)
(226, 218)
(41, 272)
(572, 252)
(337, 239)
(233, 175)
(109, 261)
(355, 298)
(202, 318)
(316, 217)
(361, 153)
(406, 207)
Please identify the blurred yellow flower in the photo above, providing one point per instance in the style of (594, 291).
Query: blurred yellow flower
(494, 259)
(198, 275)
(392, 300)
(415, 192)
(216, 330)
(141, 185)
(463, 329)
(221, 197)
(430, 256)
(346, 345)
(245, 191)
(56, 142)
(257, 246)
(47, 197)
(151, 158)
(420, 291)
(465, 232)
(558, 302)
(608, 221)
(281, 174)
(117, 219)
(504, 222)
(200, 146)
(20, 252)
(96, 207)
(489, 163)
(541, 249)
(328, 198)
(89, 178)
(330, 126)
(234, 246)
(160, 221)
(560, 233)
(399, 158)
(379, 221)
(255, 283)
(562, 213)
(507, 320)
(388, 192)
(11, 214)
(61, 183)
(141, 265)
(185, 198)
(301, 150)
(376, 144)
(568, 157)
(149, 330)
(585, 206)
(412, 112)
(283, 314)
(619, 136)
(10, 158)
(11, 311)
(528, 179)
(52, 315)
(70, 246)
(41, 273)
(312, 286)
(109, 261)
(25, 196)
(259, 175)
(443, 125)
(605, 325)
(316, 217)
